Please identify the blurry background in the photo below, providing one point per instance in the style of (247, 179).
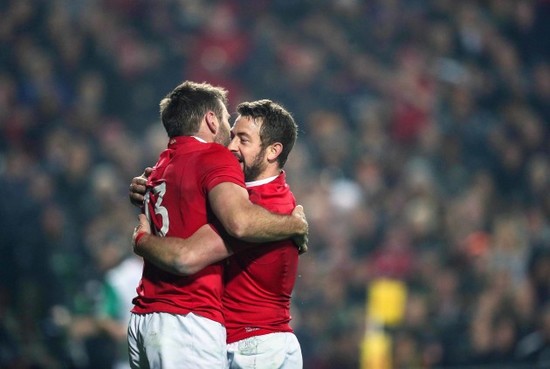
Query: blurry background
(422, 163)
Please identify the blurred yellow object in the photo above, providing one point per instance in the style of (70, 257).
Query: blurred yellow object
(386, 301)
(375, 350)
(385, 306)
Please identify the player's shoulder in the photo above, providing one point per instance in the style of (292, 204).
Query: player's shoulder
(215, 151)
(216, 147)
(275, 196)
(213, 148)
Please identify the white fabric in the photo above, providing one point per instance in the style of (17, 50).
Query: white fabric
(260, 182)
(168, 341)
(269, 351)
(124, 279)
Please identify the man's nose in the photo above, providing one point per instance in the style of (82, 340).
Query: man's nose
(232, 145)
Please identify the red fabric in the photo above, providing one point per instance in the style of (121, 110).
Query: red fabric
(177, 192)
(260, 280)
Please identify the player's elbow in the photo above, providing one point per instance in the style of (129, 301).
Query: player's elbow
(186, 265)
(237, 227)
(183, 269)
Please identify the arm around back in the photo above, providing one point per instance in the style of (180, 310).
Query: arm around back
(244, 220)
(182, 256)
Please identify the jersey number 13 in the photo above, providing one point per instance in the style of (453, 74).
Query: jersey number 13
(158, 193)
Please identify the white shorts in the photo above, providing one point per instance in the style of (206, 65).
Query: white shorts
(169, 341)
(274, 351)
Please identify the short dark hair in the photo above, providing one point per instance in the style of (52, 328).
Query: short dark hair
(182, 110)
(278, 125)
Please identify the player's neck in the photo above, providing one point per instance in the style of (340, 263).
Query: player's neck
(204, 134)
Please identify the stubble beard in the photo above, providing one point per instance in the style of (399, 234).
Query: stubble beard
(253, 171)
(223, 137)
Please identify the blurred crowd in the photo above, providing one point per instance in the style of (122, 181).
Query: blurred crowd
(423, 158)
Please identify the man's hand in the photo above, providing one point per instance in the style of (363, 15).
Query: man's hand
(141, 230)
(302, 240)
(138, 187)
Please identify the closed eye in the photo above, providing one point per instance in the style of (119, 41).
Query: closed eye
(244, 138)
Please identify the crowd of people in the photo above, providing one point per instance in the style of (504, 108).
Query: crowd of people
(422, 158)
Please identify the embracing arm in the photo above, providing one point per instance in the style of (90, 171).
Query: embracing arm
(182, 256)
(250, 222)
(244, 220)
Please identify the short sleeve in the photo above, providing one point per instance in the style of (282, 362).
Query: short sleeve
(218, 166)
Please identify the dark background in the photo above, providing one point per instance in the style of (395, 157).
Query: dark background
(422, 157)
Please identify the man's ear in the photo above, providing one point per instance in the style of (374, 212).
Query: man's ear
(212, 122)
(273, 151)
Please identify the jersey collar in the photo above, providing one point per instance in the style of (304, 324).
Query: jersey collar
(260, 181)
(199, 139)
(177, 139)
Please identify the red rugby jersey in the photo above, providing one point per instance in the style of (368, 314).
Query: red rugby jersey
(177, 204)
(259, 280)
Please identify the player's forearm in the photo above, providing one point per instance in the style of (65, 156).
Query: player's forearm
(259, 225)
(250, 222)
(166, 253)
(183, 256)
